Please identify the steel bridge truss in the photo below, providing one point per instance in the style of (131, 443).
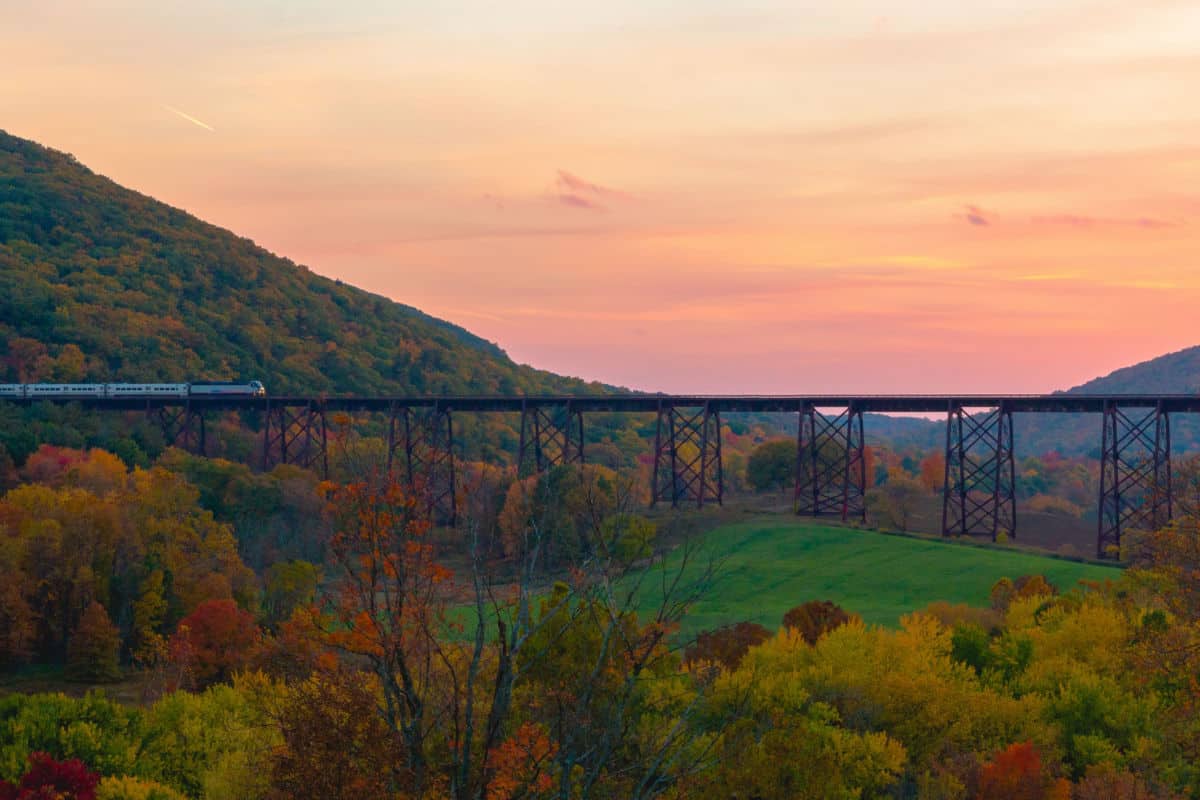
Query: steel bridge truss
(831, 464)
(421, 445)
(296, 435)
(687, 456)
(181, 426)
(1135, 474)
(551, 435)
(979, 492)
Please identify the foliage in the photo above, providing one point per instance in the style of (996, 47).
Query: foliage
(896, 500)
(136, 543)
(772, 465)
(814, 619)
(48, 779)
(725, 646)
(214, 641)
(93, 648)
(130, 788)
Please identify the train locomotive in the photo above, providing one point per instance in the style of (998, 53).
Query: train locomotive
(114, 391)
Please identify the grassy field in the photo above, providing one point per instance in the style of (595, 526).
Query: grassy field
(770, 566)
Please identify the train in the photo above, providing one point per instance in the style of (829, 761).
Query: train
(114, 391)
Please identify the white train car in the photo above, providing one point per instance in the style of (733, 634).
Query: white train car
(116, 390)
(80, 390)
(12, 390)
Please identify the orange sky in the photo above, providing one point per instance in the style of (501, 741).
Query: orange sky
(679, 196)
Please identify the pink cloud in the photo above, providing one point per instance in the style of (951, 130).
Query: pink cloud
(1078, 221)
(576, 192)
(974, 215)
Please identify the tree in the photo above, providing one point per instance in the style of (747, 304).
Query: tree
(815, 618)
(335, 743)
(93, 649)
(772, 465)
(215, 640)
(47, 779)
(896, 500)
(933, 471)
(290, 585)
(578, 664)
(1016, 773)
(725, 646)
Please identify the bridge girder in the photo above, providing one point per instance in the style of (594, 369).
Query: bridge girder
(421, 446)
(296, 435)
(181, 426)
(979, 490)
(551, 435)
(687, 456)
(1135, 474)
(831, 464)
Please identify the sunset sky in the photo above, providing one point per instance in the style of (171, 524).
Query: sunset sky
(680, 196)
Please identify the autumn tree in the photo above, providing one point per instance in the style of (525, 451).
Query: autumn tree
(92, 651)
(933, 471)
(815, 618)
(215, 640)
(725, 646)
(48, 779)
(335, 743)
(1016, 773)
(897, 500)
(460, 693)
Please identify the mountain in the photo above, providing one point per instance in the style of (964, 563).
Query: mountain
(101, 283)
(1073, 434)
(1079, 434)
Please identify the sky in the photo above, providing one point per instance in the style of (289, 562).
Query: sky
(698, 196)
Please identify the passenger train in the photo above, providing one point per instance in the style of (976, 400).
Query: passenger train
(114, 391)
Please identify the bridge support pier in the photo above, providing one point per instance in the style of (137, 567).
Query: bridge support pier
(1135, 474)
(296, 435)
(979, 491)
(181, 426)
(687, 456)
(551, 435)
(422, 440)
(831, 464)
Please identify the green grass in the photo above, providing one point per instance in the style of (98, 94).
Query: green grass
(772, 565)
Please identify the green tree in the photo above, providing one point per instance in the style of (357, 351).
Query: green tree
(772, 465)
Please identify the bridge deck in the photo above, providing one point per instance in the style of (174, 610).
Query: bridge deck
(642, 403)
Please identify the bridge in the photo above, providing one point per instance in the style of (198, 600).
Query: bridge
(979, 488)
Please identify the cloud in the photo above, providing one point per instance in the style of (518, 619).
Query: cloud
(578, 201)
(1079, 221)
(576, 192)
(975, 216)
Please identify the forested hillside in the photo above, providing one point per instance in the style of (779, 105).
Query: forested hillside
(100, 283)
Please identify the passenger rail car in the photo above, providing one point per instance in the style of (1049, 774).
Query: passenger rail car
(116, 391)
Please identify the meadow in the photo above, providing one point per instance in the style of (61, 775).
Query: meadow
(769, 566)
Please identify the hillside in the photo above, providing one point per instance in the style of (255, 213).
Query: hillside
(1073, 434)
(148, 292)
(769, 566)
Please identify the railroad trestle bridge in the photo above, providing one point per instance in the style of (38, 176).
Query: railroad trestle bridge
(979, 488)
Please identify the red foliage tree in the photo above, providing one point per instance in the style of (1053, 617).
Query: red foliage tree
(726, 646)
(214, 641)
(47, 779)
(1016, 773)
(816, 618)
